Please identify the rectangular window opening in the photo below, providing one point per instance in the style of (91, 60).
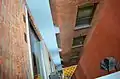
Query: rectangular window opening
(25, 37)
(58, 40)
(85, 15)
(24, 18)
(78, 40)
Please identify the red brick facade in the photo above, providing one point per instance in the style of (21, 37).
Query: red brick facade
(64, 14)
(13, 48)
(103, 40)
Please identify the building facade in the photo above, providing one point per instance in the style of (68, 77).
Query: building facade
(42, 63)
(73, 18)
(102, 42)
(13, 45)
(88, 35)
(23, 52)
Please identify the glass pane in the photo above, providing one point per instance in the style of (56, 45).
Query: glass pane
(85, 21)
(85, 12)
(78, 40)
(58, 40)
(84, 15)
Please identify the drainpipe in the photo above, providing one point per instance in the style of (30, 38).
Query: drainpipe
(29, 47)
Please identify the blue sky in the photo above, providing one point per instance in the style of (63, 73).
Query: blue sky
(40, 10)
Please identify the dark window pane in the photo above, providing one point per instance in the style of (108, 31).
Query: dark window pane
(83, 21)
(84, 15)
(58, 40)
(85, 12)
(78, 40)
(25, 37)
(24, 18)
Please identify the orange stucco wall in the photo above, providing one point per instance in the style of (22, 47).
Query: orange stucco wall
(79, 74)
(103, 40)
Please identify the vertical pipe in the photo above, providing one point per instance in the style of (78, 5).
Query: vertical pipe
(29, 47)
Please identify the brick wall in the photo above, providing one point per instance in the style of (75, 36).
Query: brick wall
(103, 41)
(64, 14)
(13, 48)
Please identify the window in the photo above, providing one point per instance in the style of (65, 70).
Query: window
(25, 37)
(78, 40)
(58, 40)
(85, 14)
(24, 18)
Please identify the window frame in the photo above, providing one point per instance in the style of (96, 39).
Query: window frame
(58, 40)
(79, 45)
(81, 26)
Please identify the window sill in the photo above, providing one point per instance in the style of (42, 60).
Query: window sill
(81, 27)
(77, 46)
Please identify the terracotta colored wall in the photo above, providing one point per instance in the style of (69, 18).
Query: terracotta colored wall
(79, 73)
(13, 48)
(103, 41)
